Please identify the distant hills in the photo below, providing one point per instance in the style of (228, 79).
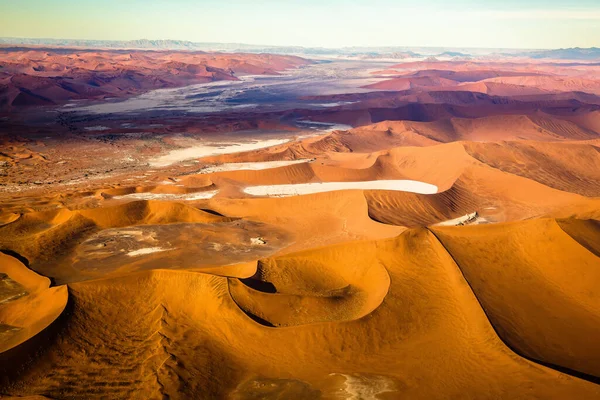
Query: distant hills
(390, 52)
(592, 53)
(111, 44)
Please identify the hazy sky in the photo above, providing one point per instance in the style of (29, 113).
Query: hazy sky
(323, 23)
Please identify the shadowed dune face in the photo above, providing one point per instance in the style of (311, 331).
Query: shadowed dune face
(404, 209)
(585, 232)
(313, 287)
(569, 167)
(27, 303)
(540, 308)
(447, 246)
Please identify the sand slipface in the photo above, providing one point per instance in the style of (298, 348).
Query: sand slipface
(535, 253)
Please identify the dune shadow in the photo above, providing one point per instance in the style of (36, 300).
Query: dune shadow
(17, 361)
(259, 285)
(16, 255)
(213, 212)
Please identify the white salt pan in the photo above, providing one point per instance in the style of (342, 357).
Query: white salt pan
(148, 250)
(168, 196)
(309, 188)
(358, 387)
(250, 166)
(189, 153)
(468, 219)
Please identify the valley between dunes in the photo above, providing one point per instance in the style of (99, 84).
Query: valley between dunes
(452, 257)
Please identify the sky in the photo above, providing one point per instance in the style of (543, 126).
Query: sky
(532, 24)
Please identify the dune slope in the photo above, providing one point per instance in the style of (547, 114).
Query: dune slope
(536, 283)
(123, 341)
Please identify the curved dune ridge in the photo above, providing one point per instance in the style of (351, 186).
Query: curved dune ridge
(553, 324)
(314, 286)
(7, 218)
(27, 303)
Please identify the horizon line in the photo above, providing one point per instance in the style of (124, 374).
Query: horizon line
(299, 46)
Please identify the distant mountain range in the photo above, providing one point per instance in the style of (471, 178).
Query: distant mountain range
(392, 52)
(592, 53)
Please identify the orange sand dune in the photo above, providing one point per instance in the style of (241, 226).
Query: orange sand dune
(569, 167)
(559, 84)
(45, 238)
(317, 219)
(177, 325)
(494, 88)
(501, 78)
(406, 83)
(313, 289)
(27, 303)
(590, 121)
(506, 127)
(468, 182)
(585, 232)
(538, 307)
(469, 75)
(38, 77)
